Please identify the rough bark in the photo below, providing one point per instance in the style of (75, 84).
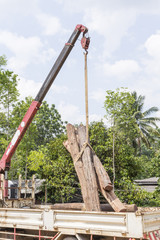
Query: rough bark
(102, 175)
(81, 207)
(89, 171)
(85, 172)
(112, 199)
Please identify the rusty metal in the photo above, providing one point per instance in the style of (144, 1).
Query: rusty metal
(39, 234)
(85, 43)
(28, 235)
(18, 201)
(14, 233)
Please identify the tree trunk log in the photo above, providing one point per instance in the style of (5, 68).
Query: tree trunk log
(81, 207)
(88, 167)
(103, 178)
(112, 199)
(85, 172)
(91, 173)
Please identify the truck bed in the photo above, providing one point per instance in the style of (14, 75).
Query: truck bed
(140, 224)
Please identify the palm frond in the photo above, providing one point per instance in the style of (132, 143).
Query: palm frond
(144, 137)
(150, 111)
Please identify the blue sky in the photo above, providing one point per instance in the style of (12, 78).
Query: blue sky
(124, 50)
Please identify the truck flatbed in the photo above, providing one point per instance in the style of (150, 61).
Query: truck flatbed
(81, 223)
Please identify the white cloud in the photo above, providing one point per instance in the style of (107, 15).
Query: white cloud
(59, 89)
(98, 95)
(23, 7)
(112, 24)
(151, 61)
(31, 88)
(96, 117)
(152, 45)
(19, 44)
(25, 50)
(111, 19)
(121, 69)
(50, 24)
(70, 113)
(28, 88)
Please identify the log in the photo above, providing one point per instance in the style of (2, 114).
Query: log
(112, 199)
(89, 172)
(66, 145)
(90, 180)
(103, 178)
(129, 208)
(81, 207)
(69, 206)
(85, 172)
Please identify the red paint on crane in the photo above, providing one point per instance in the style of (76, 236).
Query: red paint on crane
(5, 161)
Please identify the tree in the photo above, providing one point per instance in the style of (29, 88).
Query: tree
(46, 126)
(49, 124)
(146, 125)
(8, 95)
(3, 61)
(127, 165)
(28, 143)
(54, 163)
(118, 105)
(8, 92)
(101, 143)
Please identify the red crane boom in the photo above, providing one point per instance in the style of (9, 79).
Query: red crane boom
(6, 159)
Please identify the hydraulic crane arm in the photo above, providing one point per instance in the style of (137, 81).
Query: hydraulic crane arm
(6, 159)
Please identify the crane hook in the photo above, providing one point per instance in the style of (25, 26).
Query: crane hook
(85, 41)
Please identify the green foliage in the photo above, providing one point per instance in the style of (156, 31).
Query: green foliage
(49, 124)
(54, 164)
(155, 162)
(28, 142)
(8, 95)
(118, 105)
(100, 141)
(129, 125)
(130, 193)
(3, 61)
(8, 88)
(146, 125)
(44, 128)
